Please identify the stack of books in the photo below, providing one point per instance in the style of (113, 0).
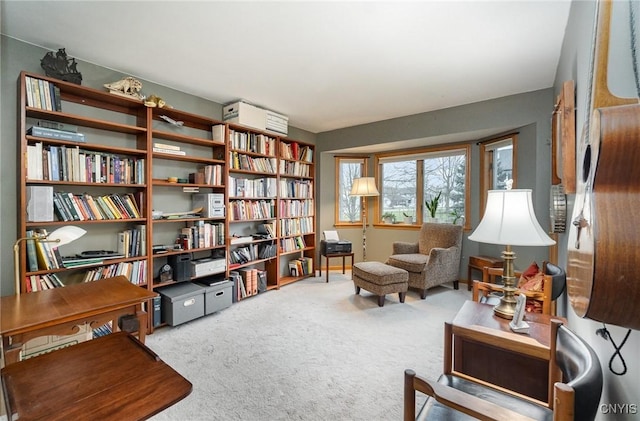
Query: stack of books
(168, 149)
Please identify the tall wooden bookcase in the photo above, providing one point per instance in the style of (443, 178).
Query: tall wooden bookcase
(135, 152)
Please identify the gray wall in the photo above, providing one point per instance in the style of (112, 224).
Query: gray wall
(528, 114)
(16, 56)
(574, 65)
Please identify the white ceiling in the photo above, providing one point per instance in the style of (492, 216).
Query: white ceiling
(327, 65)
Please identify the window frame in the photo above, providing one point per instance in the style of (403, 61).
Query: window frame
(420, 206)
(486, 161)
(363, 173)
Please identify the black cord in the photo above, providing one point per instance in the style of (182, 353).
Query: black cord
(604, 332)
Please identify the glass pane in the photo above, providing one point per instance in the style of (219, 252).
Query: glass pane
(350, 207)
(445, 176)
(504, 166)
(398, 190)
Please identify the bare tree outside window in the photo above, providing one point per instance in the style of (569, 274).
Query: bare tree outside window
(349, 209)
(399, 189)
(442, 175)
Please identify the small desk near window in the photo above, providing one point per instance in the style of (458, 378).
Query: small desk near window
(329, 256)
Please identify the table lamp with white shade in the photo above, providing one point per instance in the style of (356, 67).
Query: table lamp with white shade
(509, 220)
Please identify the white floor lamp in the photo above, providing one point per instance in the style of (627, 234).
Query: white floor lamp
(364, 187)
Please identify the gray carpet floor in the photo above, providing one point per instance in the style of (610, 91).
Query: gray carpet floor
(310, 351)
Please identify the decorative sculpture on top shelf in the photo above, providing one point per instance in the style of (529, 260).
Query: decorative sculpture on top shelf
(61, 67)
(128, 86)
(156, 101)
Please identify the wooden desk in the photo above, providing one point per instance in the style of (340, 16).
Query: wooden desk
(478, 262)
(114, 377)
(329, 256)
(484, 347)
(58, 311)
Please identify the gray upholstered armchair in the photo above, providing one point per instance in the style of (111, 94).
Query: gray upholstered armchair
(433, 260)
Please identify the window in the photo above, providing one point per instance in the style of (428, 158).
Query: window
(497, 160)
(349, 209)
(409, 180)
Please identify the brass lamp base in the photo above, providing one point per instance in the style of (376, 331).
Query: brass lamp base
(507, 306)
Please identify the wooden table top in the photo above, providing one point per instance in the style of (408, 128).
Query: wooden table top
(20, 313)
(478, 315)
(113, 377)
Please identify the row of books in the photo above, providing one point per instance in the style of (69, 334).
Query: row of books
(252, 142)
(296, 226)
(294, 208)
(245, 254)
(296, 188)
(41, 282)
(202, 235)
(213, 174)
(302, 266)
(133, 242)
(41, 255)
(244, 210)
(258, 187)
(43, 94)
(292, 243)
(248, 282)
(135, 271)
(85, 207)
(267, 250)
(103, 330)
(241, 161)
(295, 168)
(68, 163)
(295, 152)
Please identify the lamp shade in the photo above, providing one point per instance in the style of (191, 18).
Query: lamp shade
(65, 235)
(509, 219)
(364, 186)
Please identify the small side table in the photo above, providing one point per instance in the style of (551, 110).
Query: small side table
(478, 262)
(483, 346)
(329, 256)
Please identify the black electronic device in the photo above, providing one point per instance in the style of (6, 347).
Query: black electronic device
(98, 253)
(332, 247)
(181, 264)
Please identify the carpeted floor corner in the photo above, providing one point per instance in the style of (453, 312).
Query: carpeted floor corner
(310, 351)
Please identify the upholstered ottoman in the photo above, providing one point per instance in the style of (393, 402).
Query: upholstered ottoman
(380, 279)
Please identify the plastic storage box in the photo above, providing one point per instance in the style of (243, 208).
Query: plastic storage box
(181, 303)
(217, 296)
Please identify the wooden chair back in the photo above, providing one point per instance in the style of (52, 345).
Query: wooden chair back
(575, 381)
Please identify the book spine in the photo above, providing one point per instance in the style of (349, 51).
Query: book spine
(29, 89)
(56, 134)
(169, 151)
(32, 258)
